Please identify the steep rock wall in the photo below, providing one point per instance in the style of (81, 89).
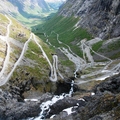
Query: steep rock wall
(100, 17)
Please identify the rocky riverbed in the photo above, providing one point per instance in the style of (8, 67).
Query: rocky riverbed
(102, 104)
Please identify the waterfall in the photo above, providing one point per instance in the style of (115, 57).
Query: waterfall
(45, 106)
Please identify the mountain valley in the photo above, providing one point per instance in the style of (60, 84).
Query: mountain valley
(61, 65)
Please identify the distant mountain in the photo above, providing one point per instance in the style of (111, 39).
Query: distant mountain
(34, 10)
(55, 4)
(22, 5)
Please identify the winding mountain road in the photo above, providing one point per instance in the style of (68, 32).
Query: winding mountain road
(82, 63)
(6, 61)
(4, 76)
(54, 71)
(19, 59)
(78, 61)
(53, 68)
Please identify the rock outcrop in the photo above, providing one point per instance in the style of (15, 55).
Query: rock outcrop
(101, 18)
(104, 105)
(11, 109)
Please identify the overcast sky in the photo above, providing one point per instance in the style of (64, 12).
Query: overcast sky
(54, 0)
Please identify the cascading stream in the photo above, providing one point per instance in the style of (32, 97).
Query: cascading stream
(45, 106)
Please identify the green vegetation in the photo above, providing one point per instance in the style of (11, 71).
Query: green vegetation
(112, 48)
(30, 20)
(67, 63)
(18, 31)
(40, 63)
(64, 26)
(3, 23)
(96, 46)
(34, 63)
(14, 55)
(35, 54)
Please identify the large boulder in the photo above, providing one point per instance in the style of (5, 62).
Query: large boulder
(112, 85)
(104, 105)
(12, 109)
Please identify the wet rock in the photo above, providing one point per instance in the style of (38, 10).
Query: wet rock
(22, 110)
(12, 109)
(63, 104)
(65, 86)
(96, 118)
(62, 88)
(104, 105)
(111, 85)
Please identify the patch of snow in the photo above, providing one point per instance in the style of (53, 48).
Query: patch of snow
(81, 99)
(69, 110)
(52, 116)
(92, 93)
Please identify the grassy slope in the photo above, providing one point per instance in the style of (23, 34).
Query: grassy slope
(64, 26)
(113, 49)
(35, 16)
(3, 24)
(33, 62)
(66, 30)
(36, 66)
(3, 30)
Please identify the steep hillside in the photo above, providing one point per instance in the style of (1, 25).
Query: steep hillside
(21, 57)
(82, 51)
(101, 18)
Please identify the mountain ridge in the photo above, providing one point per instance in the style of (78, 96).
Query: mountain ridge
(101, 18)
(36, 11)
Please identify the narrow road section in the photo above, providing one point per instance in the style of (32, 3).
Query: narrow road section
(19, 59)
(53, 68)
(6, 61)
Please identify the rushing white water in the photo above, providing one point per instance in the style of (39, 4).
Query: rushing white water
(45, 106)
(69, 110)
(71, 90)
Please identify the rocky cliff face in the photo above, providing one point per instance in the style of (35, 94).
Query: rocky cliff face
(101, 18)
